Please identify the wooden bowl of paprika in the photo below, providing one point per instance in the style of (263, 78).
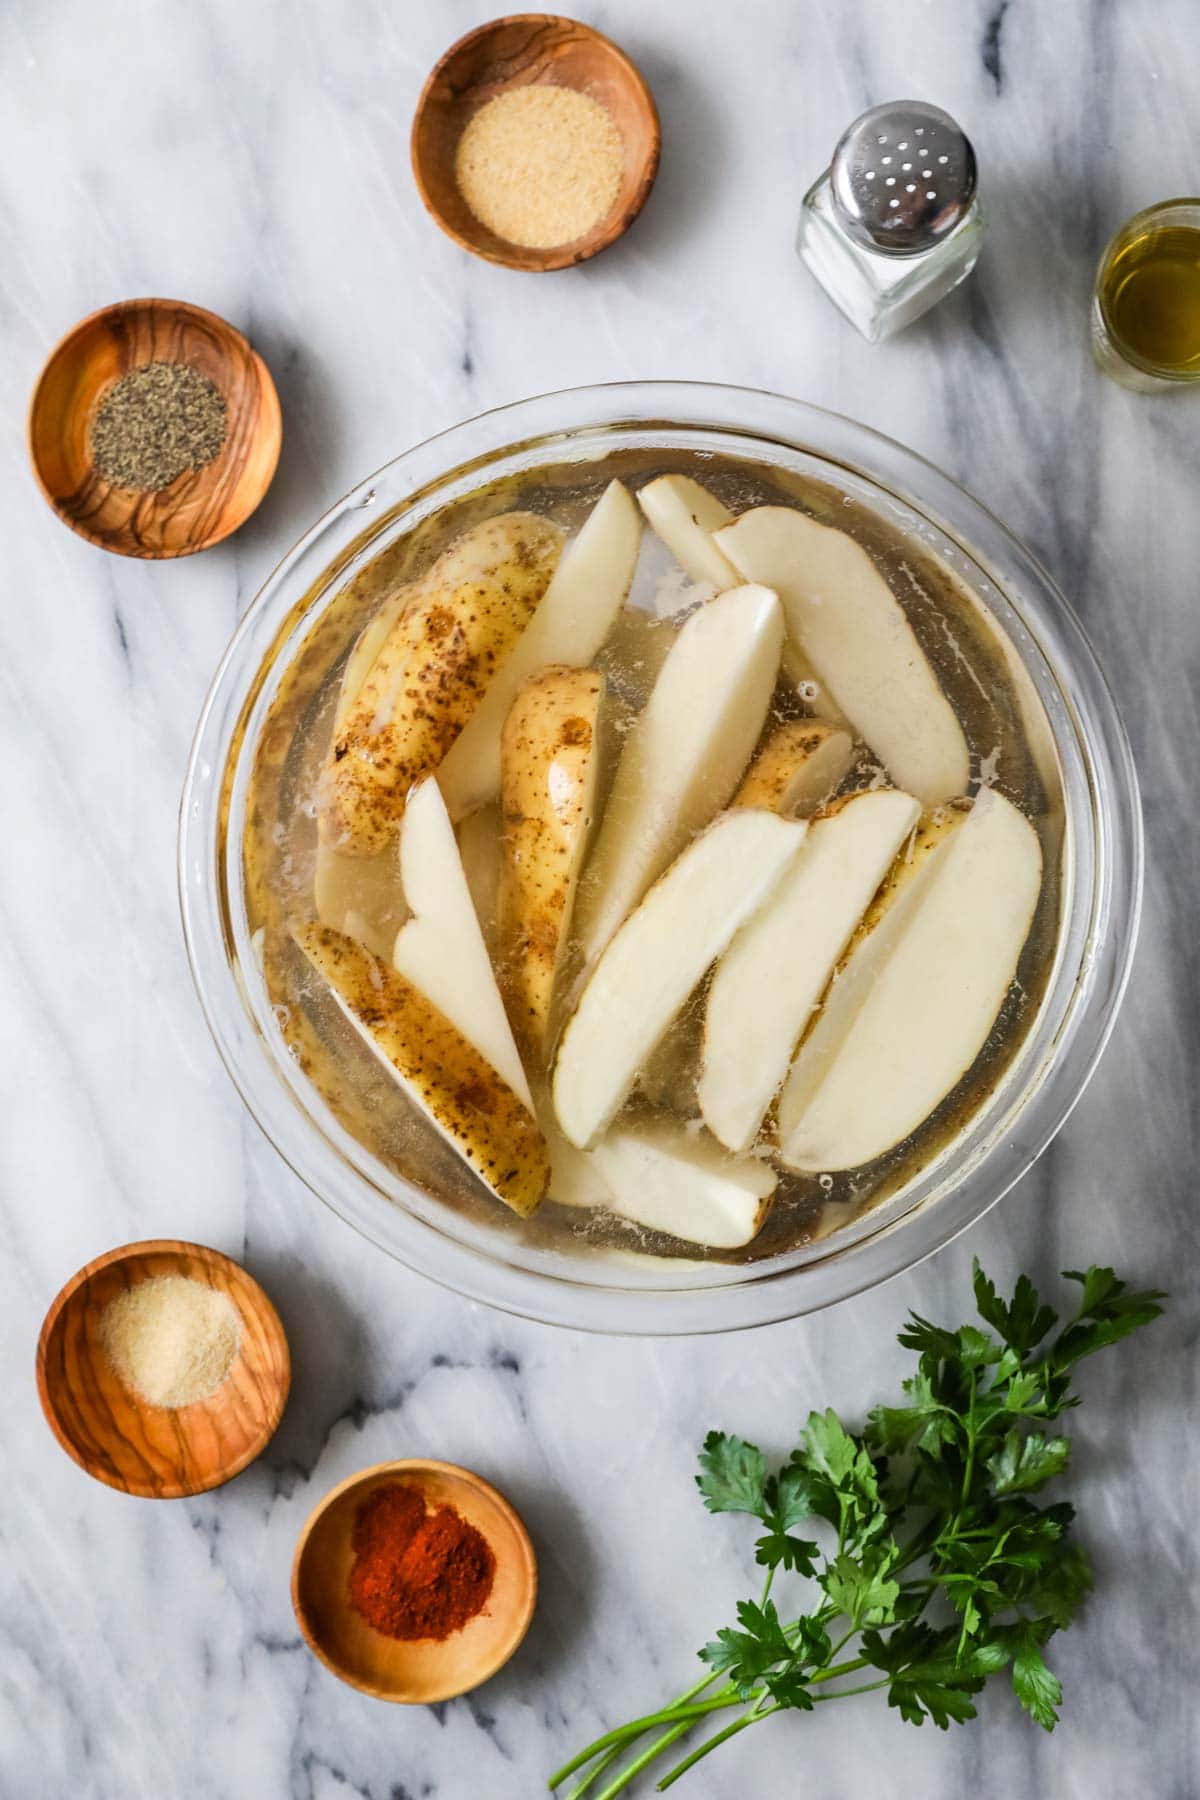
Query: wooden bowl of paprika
(414, 1581)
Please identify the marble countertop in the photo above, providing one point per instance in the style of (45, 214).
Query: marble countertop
(253, 157)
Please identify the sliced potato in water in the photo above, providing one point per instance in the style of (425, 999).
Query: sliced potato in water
(430, 673)
(645, 975)
(441, 949)
(801, 764)
(770, 980)
(549, 765)
(579, 610)
(918, 997)
(443, 1074)
(684, 754)
(844, 617)
(670, 1179)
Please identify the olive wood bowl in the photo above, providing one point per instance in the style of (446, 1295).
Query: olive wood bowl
(156, 1452)
(201, 506)
(422, 1670)
(514, 52)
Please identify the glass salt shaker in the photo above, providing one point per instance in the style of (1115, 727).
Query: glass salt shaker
(894, 223)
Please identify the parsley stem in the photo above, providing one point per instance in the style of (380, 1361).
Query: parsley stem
(866, 1687)
(667, 1715)
(645, 1759)
(752, 1717)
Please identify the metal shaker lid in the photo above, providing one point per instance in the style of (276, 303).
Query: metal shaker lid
(903, 177)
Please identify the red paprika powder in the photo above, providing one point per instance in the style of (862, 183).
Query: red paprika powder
(416, 1573)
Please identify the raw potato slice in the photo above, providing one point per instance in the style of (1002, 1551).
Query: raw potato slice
(685, 515)
(844, 617)
(441, 1073)
(578, 612)
(684, 754)
(801, 764)
(773, 974)
(431, 672)
(441, 949)
(655, 960)
(916, 1001)
(479, 848)
(668, 1179)
(549, 758)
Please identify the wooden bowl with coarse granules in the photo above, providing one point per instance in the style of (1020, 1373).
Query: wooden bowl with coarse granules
(519, 51)
(200, 506)
(159, 1452)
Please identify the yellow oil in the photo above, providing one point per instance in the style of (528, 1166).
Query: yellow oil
(1150, 294)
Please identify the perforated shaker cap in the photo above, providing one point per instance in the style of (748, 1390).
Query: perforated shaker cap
(903, 177)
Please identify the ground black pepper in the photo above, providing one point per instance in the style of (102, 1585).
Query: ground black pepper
(156, 422)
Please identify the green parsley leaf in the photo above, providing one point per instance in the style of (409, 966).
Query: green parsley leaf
(733, 1475)
(1024, 1322)
(746, 1655)
(1035, 1685)
(861, 1587)
(1107, 1313)
(1025, 1463)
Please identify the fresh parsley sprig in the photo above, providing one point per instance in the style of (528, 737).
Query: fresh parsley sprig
(933, 1567)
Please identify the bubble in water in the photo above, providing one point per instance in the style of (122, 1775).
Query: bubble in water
(825, 1181)
(807, 690)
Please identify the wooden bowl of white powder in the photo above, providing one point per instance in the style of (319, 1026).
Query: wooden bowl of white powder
(163, 1369)
(535, 142)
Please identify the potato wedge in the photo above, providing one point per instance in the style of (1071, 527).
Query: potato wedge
(432, 670)
(440, 1072)
(915, 1002)
(770, 980)
(684, 1183)
(577, 613)
(801, 764)
(644, 977)
(684, 515)
(441, 949)
(549, 762)
(685, 753)
(844, 617)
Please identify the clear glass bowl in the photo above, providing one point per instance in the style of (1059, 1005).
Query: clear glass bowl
(1102, 863)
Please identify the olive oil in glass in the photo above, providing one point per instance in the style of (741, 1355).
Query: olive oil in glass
(1146, 306)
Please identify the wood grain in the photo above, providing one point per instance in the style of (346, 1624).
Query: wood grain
(422, 1671)
(201, 506)
(159, 1453)
(514, 52)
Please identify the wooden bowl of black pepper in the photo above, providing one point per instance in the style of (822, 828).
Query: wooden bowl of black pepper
(535, 142)
(154, 428)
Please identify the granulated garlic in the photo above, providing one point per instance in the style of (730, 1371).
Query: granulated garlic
(540, 166)
(171, 1340)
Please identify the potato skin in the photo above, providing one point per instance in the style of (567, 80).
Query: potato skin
(435, 664)
(776, 773)
(442, 1073)
(548, 762)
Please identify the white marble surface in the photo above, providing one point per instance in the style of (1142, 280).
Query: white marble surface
(253, 156)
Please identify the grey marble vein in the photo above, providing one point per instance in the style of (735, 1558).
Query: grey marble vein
(254, 158)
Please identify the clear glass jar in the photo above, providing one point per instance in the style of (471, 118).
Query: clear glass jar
(1101, 877)
(881, 293)
(1145, 317)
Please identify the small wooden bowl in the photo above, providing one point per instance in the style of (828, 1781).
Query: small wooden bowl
(156, 1452)
(515, 52)
(201, 506)
(424, 1670)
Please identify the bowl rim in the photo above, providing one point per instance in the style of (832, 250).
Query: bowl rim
(762, 1294)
